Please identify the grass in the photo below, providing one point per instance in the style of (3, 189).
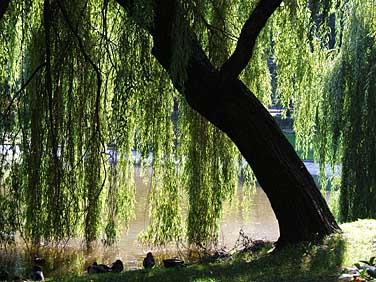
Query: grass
(302, 263)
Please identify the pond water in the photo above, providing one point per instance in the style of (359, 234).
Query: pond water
(257, 221)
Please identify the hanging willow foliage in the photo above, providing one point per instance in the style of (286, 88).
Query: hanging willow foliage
(346, 116)
(82, 94)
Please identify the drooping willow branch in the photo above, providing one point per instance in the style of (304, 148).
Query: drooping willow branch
(90, 61)
(7, 111)
(216, 29)
(48, 78)
(97, 72)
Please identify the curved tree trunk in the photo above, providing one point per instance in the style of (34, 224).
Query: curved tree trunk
(301, 211)
(225, 101)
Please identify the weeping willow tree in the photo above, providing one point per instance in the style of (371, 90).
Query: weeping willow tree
(346, 115)
(85, 84)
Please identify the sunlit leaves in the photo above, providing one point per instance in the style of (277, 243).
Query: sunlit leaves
(77, 144)
(347, 116)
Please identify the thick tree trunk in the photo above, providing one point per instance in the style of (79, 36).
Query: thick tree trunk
(301, 211)
(219, 96)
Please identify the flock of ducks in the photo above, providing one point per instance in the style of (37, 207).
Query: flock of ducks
(116, 267)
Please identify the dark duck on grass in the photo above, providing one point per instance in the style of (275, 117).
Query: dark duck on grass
(37, 274)
(98, 268)
(149, 261)
(173, 262)
(4, 275)
(38, 260)
(117, 266)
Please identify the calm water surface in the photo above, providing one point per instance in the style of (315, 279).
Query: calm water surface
(257, 220)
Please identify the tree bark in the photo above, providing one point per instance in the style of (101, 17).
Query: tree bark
(300, 209)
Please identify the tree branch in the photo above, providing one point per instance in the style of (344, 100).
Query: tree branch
(8, 109)
(3, 7)
(128, 5)
(251, 29)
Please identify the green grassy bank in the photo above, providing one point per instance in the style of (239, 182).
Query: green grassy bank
(306, 262)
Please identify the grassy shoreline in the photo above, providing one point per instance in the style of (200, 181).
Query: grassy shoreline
(305, 262)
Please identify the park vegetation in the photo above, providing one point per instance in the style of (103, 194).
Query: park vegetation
(86, 84)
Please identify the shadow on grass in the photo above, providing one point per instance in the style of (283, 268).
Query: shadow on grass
(306, 262)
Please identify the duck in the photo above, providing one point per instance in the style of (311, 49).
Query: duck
(38, 260)
(4, 275)
(149, 261)
(117, 266)
(37, 274)
(173, 262)
(98, 268)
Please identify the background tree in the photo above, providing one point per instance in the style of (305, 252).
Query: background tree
(345, 114)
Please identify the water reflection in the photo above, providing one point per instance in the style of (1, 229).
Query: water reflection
(258, 222)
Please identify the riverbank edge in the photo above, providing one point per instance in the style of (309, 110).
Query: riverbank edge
(301, 263)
